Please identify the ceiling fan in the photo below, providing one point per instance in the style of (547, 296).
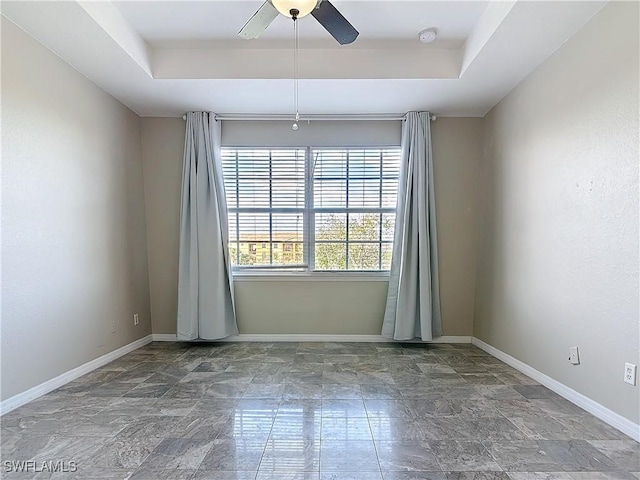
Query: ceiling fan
(322, 10)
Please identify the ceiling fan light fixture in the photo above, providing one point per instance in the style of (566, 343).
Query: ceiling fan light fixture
(304, 7)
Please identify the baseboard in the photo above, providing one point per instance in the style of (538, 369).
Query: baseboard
(610, 417)
(303, 337)
(25, 397)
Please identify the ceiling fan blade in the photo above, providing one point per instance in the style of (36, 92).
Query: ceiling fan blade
(333, 21)
(259, 22)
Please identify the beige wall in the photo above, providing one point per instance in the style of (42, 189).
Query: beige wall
(318, 307)
(457, 153)
(317, 134)
(162, 151)
(73, 233)
(310, 307)
(558, 261)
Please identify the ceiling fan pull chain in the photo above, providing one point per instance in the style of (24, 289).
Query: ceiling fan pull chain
(294, 15)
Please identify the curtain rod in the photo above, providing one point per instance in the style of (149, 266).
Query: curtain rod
(310, 118)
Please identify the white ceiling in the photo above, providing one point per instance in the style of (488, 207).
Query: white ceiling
(171, 24)
(163, 58)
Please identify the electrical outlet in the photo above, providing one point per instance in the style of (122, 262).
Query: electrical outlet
(574, 358)
(630, 373)
(113, 325)
(136, 319)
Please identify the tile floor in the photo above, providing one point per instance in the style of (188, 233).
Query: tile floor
(311, 411)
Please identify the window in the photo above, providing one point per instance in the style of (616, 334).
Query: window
(330, 209)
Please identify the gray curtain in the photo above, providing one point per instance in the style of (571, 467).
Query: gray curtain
(205, 284)
(413, 298)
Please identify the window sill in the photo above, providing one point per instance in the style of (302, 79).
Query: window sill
(310, 277)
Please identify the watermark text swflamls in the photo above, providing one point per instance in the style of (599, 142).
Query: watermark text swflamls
(31, 466)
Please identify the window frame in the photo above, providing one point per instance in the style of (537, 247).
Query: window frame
(307, 270)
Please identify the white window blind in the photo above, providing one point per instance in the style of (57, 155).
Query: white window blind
(311, 208)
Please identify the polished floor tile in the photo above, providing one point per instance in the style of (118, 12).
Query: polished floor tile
(348, 456)
(456, 455)
(406, 456)
(313, 411)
